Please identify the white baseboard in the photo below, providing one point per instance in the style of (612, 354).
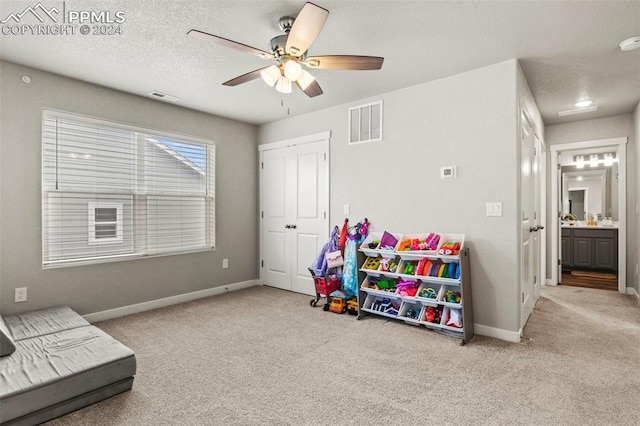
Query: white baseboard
(498, 333)
(632, 292)
(167, 301)
(549, 283)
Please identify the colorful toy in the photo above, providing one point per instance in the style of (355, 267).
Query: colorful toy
(452, 296)
(407, 288)
(352, 306)
(450, 248)
(433, 314)
(410, 268)
(337, 305)
(412, 313)
(372, 263)
(387, 285)
(374, 244)
(428, 293)
(384, 265)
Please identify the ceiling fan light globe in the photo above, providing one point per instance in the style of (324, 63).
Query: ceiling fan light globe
(305, 79)
(270, 75)
(283, 85)
(292, 70)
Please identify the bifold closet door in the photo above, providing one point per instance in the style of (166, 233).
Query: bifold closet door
(295, 198)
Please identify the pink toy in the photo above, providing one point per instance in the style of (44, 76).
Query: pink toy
(450, 248)
(407, 288)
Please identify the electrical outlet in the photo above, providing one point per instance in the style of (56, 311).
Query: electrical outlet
(225, 263)
(20, 294)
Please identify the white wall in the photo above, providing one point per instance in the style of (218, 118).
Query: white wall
(468, 121)
(94, 288)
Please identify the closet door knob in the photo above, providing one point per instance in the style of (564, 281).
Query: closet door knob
(293, 226)
(287, 226)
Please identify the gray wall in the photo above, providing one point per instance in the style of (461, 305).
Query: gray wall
(95, 288)
(604, 128)
(468, 121)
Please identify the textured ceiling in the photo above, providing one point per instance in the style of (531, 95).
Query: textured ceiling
(568, 50)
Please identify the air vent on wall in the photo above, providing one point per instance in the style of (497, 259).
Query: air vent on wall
(365, 123)
(164, 96)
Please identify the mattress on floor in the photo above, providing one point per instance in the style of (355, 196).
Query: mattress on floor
(43, 321)
(50, 369)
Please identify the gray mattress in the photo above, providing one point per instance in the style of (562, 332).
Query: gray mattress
(48, 369)
(43, 321)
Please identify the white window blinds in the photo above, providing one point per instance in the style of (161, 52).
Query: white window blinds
(111, 191)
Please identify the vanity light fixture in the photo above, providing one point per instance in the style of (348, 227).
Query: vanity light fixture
(593, 162)
(580, 162)
(608, 159)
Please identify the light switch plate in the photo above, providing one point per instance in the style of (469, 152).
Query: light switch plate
(494, 208)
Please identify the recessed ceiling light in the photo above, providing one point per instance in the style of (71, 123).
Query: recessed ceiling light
(584, 103)
(630, 44)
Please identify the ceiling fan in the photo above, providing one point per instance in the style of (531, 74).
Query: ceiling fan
(290, 51)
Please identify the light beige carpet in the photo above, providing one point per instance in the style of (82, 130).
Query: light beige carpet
(262, 356)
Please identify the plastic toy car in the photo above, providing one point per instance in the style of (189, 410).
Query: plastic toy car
(352, 307)
(337, 305)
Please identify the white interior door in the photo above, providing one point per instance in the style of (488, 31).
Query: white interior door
(527, 218)
(294, 182)
(310, 211)
(537, 218)
(276, 197)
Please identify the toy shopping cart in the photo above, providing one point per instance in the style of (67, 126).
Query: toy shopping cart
(326, 270)
(325, 285)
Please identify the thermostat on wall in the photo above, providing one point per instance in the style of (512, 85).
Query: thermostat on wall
(447, 172)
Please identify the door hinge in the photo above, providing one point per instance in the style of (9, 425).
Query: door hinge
(262, 214)
(262, 263)
(535, 215)
(559, 262)
(262, 165)
(535, 280)
(523, 297)
(325, 215)
(325, 156)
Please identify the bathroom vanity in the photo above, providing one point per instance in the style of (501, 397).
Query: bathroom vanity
(589, 247)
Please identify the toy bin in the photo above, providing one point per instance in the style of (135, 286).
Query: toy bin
(371, 266)
(408, 251)
(452, 319)
(450, 238)
(386, 286)
(407, 268)
(429, 297)
(371, 249)
(451, 296)
(380, 305)
(410, 312)
(431, 316)
(388, 265)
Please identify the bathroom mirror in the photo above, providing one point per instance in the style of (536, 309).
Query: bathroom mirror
(589, 191)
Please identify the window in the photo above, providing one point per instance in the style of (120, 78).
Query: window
(111, 191)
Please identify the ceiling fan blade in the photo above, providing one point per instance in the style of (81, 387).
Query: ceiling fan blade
(344, 62)
(305, 28)
(230, 43)
(244, 78)
(312, 90)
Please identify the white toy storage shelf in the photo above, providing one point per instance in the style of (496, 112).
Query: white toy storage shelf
(432, 267)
